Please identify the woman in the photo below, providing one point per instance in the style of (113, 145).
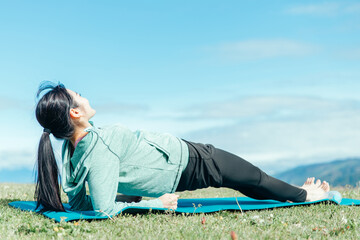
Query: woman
(116, 160)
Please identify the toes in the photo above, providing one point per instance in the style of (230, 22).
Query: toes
(312, 180)
(323, 186)
(318, 183)
(308, 181)
(327, 187)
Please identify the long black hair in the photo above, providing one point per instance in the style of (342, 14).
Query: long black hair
(53, 114)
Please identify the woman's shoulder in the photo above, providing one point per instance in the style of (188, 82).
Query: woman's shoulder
(114, 129)
(113, 134)
(107, 129)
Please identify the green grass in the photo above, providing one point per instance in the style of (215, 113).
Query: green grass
(313, 222)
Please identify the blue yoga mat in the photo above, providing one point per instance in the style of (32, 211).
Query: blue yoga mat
(194, 205)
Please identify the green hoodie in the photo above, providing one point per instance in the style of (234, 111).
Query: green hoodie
(116, 160)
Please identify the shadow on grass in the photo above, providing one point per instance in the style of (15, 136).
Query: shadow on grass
(5, 201)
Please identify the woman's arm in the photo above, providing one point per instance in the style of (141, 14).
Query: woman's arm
(103, 182)
(168, 200)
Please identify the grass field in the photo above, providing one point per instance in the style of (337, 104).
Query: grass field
(313, 222)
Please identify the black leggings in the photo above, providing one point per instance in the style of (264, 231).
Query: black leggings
(212, 167)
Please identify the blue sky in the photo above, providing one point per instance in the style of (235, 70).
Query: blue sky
(275, 82)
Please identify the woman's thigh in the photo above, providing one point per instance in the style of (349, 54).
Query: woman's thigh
(212, 167)
(202, 170)
(235, 171)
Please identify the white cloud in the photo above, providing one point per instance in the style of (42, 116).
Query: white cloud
(11, 103)
(324, 9)
(315, 9)
(24, 154)
(283, 132)
(17, 159)
(120, 108)
(264, 49)
(269, 107)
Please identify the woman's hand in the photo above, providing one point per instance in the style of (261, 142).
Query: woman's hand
(169, 200)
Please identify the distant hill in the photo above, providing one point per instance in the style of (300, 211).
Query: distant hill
(337, 173)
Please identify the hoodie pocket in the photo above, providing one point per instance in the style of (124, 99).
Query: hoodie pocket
(158, 147)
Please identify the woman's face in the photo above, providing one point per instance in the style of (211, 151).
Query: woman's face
(83, 105)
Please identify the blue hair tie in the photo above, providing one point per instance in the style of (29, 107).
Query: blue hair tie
(47, 130)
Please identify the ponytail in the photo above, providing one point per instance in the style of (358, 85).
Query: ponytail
(47, 191)
(52, 113)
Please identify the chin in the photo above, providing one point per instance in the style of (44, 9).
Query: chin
(94, 112)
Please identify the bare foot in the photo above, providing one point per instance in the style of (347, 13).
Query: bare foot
(315, 191)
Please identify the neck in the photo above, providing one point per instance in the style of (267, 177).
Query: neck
(79, 133)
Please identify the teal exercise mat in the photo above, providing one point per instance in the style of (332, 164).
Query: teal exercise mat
(193, 205)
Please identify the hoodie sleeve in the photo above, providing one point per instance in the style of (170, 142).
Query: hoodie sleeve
(103, 183)
(80, 201)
